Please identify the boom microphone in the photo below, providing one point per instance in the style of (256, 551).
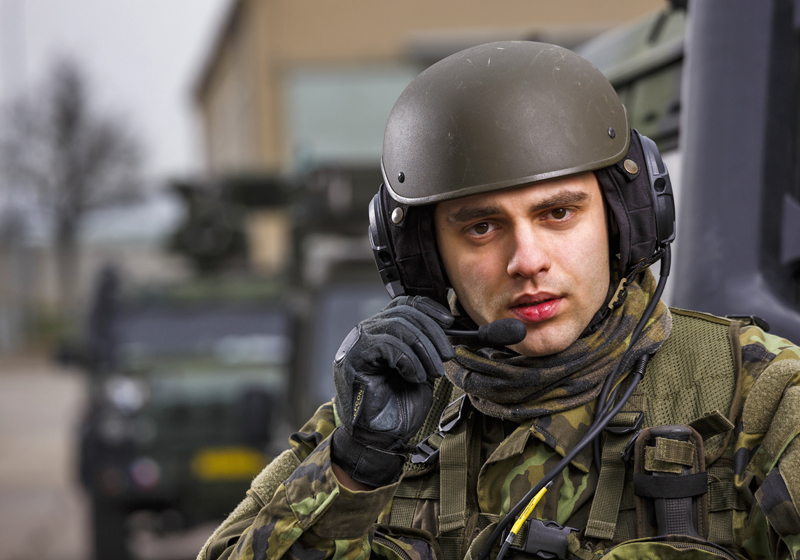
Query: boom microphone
(503, 332)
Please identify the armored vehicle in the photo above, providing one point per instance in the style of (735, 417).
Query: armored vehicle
(187, 398)
(336, 308)
(719, 97)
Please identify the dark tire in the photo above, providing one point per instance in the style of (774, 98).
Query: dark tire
(110, 536)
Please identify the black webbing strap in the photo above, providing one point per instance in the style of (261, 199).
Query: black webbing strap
(684, 486)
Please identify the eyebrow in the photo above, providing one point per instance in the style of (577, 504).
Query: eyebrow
(563, 198)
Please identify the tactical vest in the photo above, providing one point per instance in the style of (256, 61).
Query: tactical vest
(693, 381)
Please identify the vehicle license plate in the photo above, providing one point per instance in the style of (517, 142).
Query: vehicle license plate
(228, 463)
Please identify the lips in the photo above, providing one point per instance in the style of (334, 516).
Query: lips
(535, 308)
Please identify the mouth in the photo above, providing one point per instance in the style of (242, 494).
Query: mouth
(535, 308)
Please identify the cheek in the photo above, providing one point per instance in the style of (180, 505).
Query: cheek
(471, 278)
(594, 265)
(476, 284)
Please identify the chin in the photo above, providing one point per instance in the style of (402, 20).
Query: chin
(541, 343)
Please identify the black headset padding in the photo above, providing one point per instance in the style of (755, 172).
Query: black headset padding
(413, 244)
(644, 217)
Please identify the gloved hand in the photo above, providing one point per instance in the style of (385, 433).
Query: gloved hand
(384, 374)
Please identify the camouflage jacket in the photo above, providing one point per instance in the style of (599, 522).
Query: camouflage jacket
(303, 512)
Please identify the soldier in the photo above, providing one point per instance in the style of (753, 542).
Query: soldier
(514, 189)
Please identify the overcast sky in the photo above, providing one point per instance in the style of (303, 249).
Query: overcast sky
(141, 58)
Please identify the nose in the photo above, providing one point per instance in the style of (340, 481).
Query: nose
(529, 256)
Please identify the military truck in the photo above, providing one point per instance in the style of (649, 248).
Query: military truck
(350, 296)
(719, 96)
(186, 405)
(195, 387)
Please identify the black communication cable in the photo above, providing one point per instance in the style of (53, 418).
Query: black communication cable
(601, 419)
(638, 373)
(603, 402)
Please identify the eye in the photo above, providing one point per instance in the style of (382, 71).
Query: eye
(560, 213)
(481, 229)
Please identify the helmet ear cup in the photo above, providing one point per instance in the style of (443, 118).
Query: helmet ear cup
(382, 249)
(403, 240)
(638, 192)
(661, 189)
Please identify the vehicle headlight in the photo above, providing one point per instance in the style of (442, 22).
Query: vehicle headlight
(113, 429)
(145, 473)
(128, 395)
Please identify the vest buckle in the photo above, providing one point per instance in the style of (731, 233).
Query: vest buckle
(424, 454)
(620, 428)
(545, 539)
(427, 450)
(451, 415)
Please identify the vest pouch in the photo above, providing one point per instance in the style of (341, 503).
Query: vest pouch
(672, 547)
(670, 483)
(400, 543)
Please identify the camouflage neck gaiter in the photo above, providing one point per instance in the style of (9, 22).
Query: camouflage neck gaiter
(505, 385)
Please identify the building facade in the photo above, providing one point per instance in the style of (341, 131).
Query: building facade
(289, 85)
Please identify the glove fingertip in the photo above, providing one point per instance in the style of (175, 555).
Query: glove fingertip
(434, 310)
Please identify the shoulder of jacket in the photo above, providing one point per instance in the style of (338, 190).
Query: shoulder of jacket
(708, 317)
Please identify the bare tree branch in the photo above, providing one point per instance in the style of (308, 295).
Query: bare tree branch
(57, 148)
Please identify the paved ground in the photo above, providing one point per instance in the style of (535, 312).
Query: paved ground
(43, 512)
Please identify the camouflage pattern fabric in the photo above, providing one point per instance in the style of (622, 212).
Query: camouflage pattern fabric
(311, 516)
(506, 385)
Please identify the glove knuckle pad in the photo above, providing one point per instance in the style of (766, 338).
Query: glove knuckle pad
(347, 344)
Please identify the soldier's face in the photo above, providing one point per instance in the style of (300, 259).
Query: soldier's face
(537, 253)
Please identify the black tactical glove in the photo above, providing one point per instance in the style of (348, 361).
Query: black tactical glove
(384, 374)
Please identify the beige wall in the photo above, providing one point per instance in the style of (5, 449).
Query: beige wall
(240, 92)
(269, 237)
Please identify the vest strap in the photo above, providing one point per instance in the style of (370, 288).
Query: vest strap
(427, 450)
(486, 519)
(673, 451)
(403, 510)
(654, 465)
(451, 547)
(453, 467)
(712, 424)
(408, 495)
(605, 507)
(453, 463)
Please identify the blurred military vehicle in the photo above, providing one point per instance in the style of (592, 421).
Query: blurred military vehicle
(187, 399)
(719, 96)
(333, 262)
(644, 61)
(196, 386)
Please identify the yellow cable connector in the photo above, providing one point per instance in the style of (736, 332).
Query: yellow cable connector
(521, 519)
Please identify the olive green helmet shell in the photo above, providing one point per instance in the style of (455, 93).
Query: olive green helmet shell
(497, 116)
